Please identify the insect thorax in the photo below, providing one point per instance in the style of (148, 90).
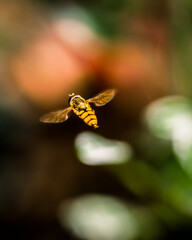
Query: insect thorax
(77, 102)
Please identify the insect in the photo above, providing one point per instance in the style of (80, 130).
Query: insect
(81, 108)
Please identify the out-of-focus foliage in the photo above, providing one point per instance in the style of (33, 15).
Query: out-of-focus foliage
(93, 149)
(129, 179)
(99, 217)
(171, 118)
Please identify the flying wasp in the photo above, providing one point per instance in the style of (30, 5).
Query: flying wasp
(81, 108)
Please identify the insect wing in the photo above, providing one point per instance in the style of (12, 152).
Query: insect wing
(56, 117)
(102, 98)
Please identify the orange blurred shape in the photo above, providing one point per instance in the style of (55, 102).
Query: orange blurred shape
(50, 68)
(45, 72)
(81, 39)
(139, 70)
(127, 65)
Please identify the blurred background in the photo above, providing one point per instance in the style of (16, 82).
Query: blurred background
(130, 179)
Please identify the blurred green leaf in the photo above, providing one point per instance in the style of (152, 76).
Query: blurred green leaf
(97, 216)
(93, 149)
(171, 118)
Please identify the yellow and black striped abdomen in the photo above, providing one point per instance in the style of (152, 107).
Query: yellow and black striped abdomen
(88, 116)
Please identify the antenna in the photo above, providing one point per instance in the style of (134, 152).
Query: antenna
(71, 95)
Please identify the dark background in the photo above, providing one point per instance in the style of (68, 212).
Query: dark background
(49, 49)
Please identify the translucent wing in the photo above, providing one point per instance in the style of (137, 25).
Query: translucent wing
(102, 98)
(56, 117)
